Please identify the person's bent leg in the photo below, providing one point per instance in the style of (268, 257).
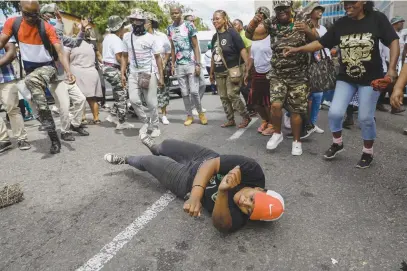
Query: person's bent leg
(343, 95)
(113, 76)
(171, 174)
(135, 100)
(60, 93)
(315, 107)
(194, 88)
(226, 103)
(94, 107)
(36, 82)
(233, 92)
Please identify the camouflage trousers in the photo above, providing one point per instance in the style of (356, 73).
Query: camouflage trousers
(36, 83)
(230, 96)
(291, 91)
(113, 76)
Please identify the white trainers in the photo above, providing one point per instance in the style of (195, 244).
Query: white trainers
(147, 140)
(112, 119)
(274, 141)
(195, 112)
(318, 130)
(326, 103)
(203, 110)
(55, 109)
(297, 148)
(143, 129)
(155, 133)
(124, 125)
(165, 120)
(287, 122)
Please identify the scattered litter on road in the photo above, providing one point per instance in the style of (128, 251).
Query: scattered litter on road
(10, 194)
(334, 261)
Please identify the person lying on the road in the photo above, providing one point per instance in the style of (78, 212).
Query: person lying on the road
(231, 187)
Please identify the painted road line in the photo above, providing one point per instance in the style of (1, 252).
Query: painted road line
(240, 132)
(110, 250)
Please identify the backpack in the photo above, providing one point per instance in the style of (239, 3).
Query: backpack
(41, 31)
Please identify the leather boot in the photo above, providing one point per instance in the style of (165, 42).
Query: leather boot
(55, 143)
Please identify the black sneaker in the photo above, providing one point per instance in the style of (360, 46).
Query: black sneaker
(302, 136)
(67, 136)
(309, 130)
(115, 159)
(365, 161)
(405, 131)
(333, 151)
(24, 145)
(4, 145)
(79, 130)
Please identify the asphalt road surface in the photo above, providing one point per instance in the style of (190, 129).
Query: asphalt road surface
(82, 213)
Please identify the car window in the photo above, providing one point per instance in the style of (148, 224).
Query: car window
(203, 45)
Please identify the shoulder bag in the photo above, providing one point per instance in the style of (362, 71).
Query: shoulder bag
(143, 78)
(321, 74)
(235, 73)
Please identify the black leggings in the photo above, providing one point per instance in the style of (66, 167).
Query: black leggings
(173, 164)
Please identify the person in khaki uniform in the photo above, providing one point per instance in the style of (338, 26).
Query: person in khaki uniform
(228, 52)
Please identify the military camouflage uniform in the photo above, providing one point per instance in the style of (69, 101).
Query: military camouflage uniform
(288, 79)
(113, 76)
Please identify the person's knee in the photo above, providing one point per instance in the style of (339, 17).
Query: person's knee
(335, 114)
(276, 106)
(366, 119)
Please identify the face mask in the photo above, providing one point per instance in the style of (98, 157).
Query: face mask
(53, 21)
(139, 30)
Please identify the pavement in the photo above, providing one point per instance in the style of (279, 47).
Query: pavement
(81, 213)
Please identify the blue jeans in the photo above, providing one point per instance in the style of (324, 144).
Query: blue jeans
(328, 95)
(367, 106)
(316, 99)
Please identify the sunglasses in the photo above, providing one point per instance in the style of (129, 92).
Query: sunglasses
(31, 14)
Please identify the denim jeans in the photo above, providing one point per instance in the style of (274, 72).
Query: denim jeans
(328, 95)
(316, 99)
(367, 106)
(189, 84)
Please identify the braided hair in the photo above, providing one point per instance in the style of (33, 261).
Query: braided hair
(225, 16)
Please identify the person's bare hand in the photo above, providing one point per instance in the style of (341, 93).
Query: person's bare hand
(396, 99)
(197, 70)
(172, 70)
(231, 180)
(193, 206)
(212, 79)
(84, 23)
(246, 78)
(124, 80)
(392, 74)
(58, 14)
(70, 78)
(258, 18)
(289, 51)
(302, 27)
(161, 83)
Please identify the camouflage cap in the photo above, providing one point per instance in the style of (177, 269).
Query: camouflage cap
(264, 10)
(137, 13)
(397, 19)
(311, 7)
(114, 23)
(48, 8)
(151, 16)
(282, 3)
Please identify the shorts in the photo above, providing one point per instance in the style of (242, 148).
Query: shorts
(291, 92)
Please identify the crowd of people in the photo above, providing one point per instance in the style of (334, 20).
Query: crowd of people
(267, 61)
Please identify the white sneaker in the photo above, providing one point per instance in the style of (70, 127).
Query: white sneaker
(55, 109)
(165, 120)
(124, 125)
(326, 103)
(318, 130)
(112, 119)
(274, 141)
(155, 133)
(287, 122)
(297, 148)
(147, 140)
(143, 129)
(203, 110)
(195, 112)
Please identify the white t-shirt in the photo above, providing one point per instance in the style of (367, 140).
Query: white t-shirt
(261, 55)
(322, 31)
(385, 55)
(112, 45)
(165, 44)
(145, 47)
(208, 58)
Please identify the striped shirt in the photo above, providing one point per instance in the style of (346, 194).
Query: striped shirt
(33, 52)
(7, 72)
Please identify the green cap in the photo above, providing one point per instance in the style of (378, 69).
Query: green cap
(397, 19)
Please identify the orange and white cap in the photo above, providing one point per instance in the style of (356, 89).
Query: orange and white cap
(268, 206)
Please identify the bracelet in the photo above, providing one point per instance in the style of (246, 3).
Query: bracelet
(198, 186)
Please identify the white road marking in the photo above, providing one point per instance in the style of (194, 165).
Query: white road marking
(240, 132)
(110, 250)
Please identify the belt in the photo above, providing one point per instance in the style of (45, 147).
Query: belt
(111, 65)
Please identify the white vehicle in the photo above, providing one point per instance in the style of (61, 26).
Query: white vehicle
(205, 38)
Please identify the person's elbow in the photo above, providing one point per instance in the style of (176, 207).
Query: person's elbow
(221, 225)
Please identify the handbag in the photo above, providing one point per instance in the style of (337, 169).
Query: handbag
(143, 78)
(321, 74)
(235, 73)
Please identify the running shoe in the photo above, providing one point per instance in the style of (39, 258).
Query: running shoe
(274, 141)
(333, 151)
(365, 161)
(147, 140)
(115, 159)
(296, 149)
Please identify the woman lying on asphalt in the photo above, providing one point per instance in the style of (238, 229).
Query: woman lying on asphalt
(231, 187)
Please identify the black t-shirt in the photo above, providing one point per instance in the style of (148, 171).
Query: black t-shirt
(358, 41)
(231, 44)
(252, 176)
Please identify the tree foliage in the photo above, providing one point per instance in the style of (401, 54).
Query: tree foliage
(9, 7)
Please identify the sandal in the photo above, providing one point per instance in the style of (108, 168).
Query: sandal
(269, 131)
(262, 127)
(95, 122)
(245, 123)
(84, 122)
(229, 123)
